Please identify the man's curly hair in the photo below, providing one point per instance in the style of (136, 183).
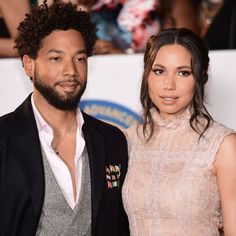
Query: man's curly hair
(44, 19)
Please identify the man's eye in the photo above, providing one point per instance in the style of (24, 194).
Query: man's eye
(55, 59)
(81, 59)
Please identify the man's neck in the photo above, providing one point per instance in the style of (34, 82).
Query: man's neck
(57, 119)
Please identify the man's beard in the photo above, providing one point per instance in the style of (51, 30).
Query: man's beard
(62, 102)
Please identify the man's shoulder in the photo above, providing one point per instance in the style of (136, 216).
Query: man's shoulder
(5, 123)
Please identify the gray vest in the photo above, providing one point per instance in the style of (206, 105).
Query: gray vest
(57, 218)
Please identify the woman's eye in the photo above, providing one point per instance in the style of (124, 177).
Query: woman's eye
(158, 71)
(185, 73)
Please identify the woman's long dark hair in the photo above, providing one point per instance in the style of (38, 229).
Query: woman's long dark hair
(200, 62)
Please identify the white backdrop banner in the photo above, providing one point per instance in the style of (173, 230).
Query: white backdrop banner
(112, 92)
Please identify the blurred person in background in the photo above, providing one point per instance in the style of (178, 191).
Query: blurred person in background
(218, 23)
(84, 5)
(11, 13)
(125, 25)
(179, 14)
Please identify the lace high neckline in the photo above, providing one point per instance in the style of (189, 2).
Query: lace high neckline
(174, 122)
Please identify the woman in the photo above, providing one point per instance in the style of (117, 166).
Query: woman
(181, 178)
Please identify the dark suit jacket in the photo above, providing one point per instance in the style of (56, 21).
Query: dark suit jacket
(22, 177)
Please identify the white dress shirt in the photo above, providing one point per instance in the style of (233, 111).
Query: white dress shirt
(58, 166)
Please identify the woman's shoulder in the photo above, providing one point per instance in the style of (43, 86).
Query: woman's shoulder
(216, 135)
(133, 134)
(130, 132)
(218, 129)
(229, 135)
(225, 157)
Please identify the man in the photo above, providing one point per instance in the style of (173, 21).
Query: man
(61, 171)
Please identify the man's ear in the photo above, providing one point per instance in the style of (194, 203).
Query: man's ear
(28, 65)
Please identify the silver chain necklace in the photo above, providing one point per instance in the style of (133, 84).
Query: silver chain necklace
(54, 146)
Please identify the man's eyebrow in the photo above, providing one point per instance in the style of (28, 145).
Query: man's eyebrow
(55, 51)
(82, 51)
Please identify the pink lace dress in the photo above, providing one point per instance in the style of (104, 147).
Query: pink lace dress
(170, 189)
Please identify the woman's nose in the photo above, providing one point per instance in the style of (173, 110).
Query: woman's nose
(169, 83)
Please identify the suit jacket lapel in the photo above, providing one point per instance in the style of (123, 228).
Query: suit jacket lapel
(28, 152)
(96, 152)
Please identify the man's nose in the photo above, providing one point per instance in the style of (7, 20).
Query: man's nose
(69, 68)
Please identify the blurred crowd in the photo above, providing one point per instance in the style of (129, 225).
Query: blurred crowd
(125, 25)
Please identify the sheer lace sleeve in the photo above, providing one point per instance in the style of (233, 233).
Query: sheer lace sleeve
(217, 134)
(130, 134)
